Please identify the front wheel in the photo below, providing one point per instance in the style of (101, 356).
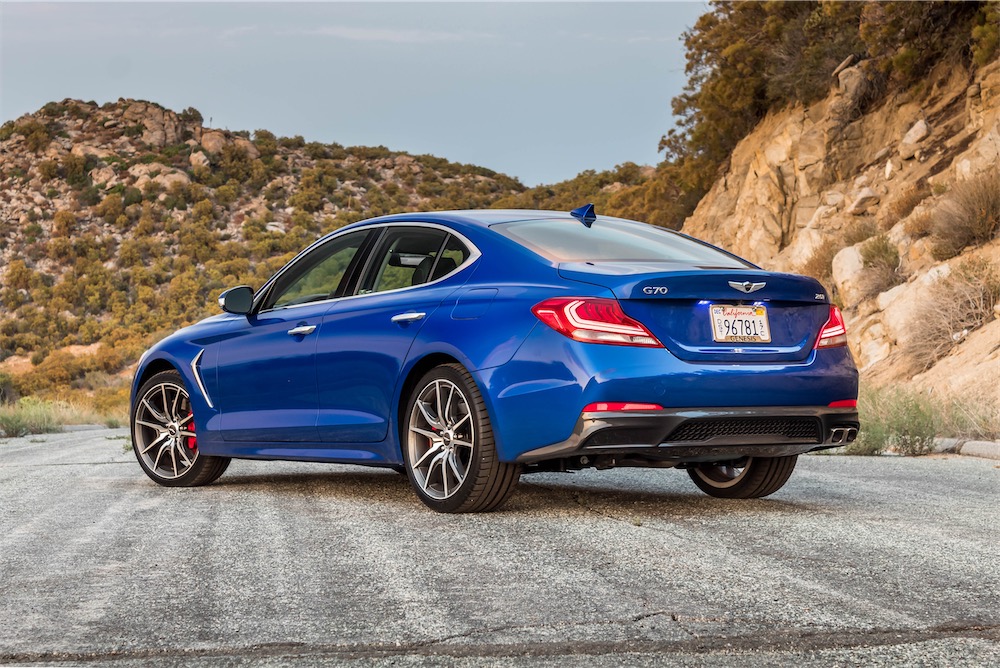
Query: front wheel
(451, 458)
(164, 438)
(746, 478)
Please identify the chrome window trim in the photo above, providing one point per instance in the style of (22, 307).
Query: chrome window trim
(197, 378)
(474, 254)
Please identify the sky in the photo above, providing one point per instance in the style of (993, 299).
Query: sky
(539, 91)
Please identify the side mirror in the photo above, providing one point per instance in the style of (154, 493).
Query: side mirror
(237, 300)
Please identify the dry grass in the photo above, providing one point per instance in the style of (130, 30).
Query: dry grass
(30, 415)
(882, 269)
(864, 229)
(955, 305)
(820, 263)
(970, 216)
(906, 422)
(904, 205)
(920, 225)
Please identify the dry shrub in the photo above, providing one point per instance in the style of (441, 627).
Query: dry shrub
(881, 261)
(904, 205)
(920, 225)
(970, 216)
(955, 305)
(860, 231)
(820, 263)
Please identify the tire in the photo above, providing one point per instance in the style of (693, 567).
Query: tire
(163, 436)
(747, 478)
(448, 447)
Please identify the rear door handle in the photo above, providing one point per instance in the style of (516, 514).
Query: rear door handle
(302, 330)
(403, 318)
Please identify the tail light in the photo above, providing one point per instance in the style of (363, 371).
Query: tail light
(594, 320)
(834, 332)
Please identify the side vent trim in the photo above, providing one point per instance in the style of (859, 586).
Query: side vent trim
(197, 378)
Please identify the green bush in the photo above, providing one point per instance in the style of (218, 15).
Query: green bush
(894, 419)
(37, 136)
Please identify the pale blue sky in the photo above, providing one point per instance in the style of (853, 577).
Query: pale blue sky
(539, 91)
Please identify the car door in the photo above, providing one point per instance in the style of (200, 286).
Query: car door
(365, 338)
(267, 369)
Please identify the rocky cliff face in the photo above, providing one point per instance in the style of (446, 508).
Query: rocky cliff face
(811, 188)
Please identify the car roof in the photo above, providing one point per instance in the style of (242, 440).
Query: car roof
(481, 217)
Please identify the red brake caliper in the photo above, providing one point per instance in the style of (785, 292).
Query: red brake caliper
(192, 441)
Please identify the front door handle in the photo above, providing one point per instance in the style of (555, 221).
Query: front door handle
(302, 330)
(403, 318)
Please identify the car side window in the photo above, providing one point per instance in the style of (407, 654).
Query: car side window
(452, 257)
(318, 275)
(404, 257)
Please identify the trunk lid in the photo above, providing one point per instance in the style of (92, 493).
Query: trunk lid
(675, 302)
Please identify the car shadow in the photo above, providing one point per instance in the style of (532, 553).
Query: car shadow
(534, 495)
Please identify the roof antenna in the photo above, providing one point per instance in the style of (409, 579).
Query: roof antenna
(585, 214)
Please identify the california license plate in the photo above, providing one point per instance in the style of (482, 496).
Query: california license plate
(740, 324)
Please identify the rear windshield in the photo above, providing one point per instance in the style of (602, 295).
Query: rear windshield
(564, 240)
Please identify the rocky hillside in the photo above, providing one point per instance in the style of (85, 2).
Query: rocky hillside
(896, 208)
(121, 222)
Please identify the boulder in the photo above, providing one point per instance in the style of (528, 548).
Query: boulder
(917, 132)
(172, 177)
(83, 150)
(199, 159)
(248, 146)
(847, 268)
(866, 197)
(213, 140)
(106, 175)
(161, 127)
(833, 198)
(872, 346)
(899, 304)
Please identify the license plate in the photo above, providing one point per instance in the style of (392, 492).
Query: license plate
(740, 324)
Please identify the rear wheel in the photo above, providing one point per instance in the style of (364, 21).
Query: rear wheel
(746, 478)
(451, 458)
(164, 438)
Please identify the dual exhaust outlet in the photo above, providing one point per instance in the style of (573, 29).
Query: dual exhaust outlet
(843, 435)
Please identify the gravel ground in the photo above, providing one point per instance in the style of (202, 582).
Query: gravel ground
(875, 561)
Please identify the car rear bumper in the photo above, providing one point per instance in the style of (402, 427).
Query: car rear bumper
(704, 434)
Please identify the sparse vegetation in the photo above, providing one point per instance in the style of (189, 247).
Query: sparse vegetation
(881, 262)
(894, 419)
(28, 416)
(970, 216)
(31, 415)
(862, 230)
(906, 422)
(920, 225)
(820, 263)
(955, 305)
(905, 203)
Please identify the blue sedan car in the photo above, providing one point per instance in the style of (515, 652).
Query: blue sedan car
(467, 348)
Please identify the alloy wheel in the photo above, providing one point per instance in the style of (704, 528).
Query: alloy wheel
(164, 432)
(441, 439)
